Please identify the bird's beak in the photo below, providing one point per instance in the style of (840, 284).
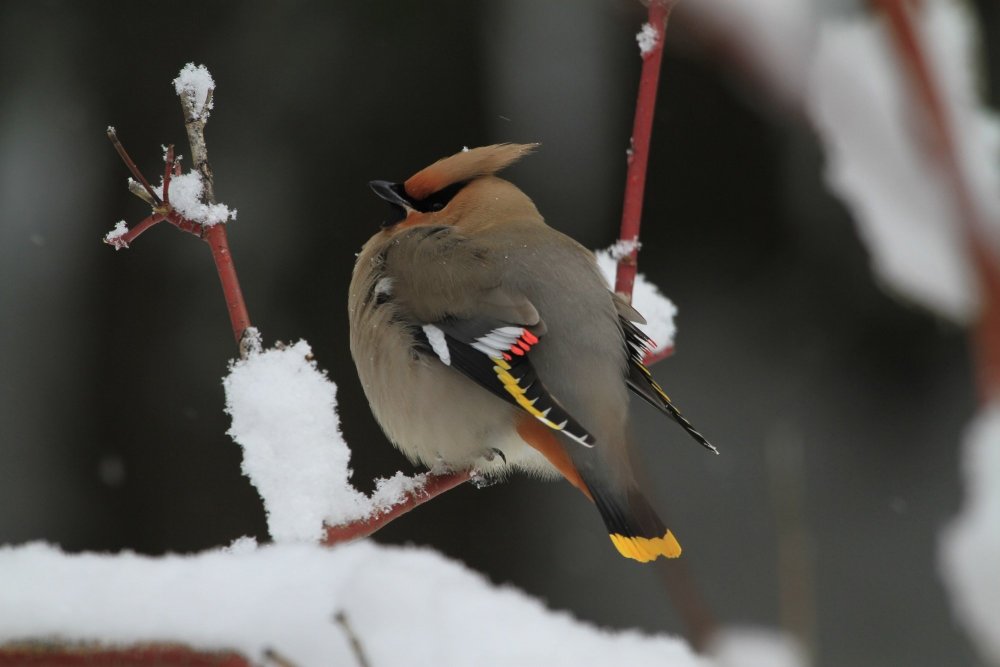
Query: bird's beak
(391, 192)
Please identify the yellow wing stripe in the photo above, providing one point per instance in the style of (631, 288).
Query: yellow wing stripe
(655, 385)
(645, 549)
(514, 389)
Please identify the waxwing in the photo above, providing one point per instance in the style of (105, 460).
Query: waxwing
(487, 340)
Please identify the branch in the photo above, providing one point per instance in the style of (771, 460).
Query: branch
(651, 48)
(676, 576)
(352, 638)
(196, 113)
(943, 148)
(196, 105)
(196, 92)
(75, 655)
(436, 484)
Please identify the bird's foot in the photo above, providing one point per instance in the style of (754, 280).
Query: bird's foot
(481, 480)
(493, 453)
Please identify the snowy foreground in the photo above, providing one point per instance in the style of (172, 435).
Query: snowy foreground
(406, 606)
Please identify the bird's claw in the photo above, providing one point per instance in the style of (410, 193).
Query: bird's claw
(481, 481)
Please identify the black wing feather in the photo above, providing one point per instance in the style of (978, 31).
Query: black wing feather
(641, 381)
(495, 355)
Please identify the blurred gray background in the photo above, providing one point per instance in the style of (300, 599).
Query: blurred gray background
(837, 408)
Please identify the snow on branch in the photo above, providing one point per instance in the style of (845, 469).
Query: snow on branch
(191, 205)
(658, 310)
(647, 38)
(902, 197)
(970, 546)
(283, 599)
(283, 410)
(196, 86)
(284, 416)
(187, 192)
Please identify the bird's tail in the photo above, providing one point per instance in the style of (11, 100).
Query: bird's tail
(635, 529)
(633, 525)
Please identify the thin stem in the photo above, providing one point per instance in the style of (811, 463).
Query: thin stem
(638, 156)
(132, 234)
(194, 123)
(72, 655)
(694, 613)
(275, 658)
(437, 483)
(352, 638)
(239, 317)
(183, 224)
(677, 578)
(215, 236)
(943, 148)
(127, 159)
(168, 169)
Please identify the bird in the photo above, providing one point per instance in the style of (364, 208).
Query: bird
(487, 340)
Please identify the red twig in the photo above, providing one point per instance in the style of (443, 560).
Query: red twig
(677, 579)
(213, 235)
(70, 655)
(135, 231)
(943, 148)
(127, 159)
(239, 318)
(168, 171)
(437, 483)
(195, 118)
(638, 155)
(652, 357)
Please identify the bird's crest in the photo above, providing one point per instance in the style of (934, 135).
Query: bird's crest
(464, 166)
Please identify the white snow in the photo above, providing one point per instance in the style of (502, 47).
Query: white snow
(114, 237)
(185, 195)
(755, 647)
(407, 606)
(876, 157)
(252, 341)
(195, 83)
(284, 412)
(658, 310)
(623, 248)
(970, 546)
(951, 37)
(647, 38)
(773, 38)
(284, 416)
(392, 491)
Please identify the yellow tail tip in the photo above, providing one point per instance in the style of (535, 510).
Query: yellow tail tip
(645, 549)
